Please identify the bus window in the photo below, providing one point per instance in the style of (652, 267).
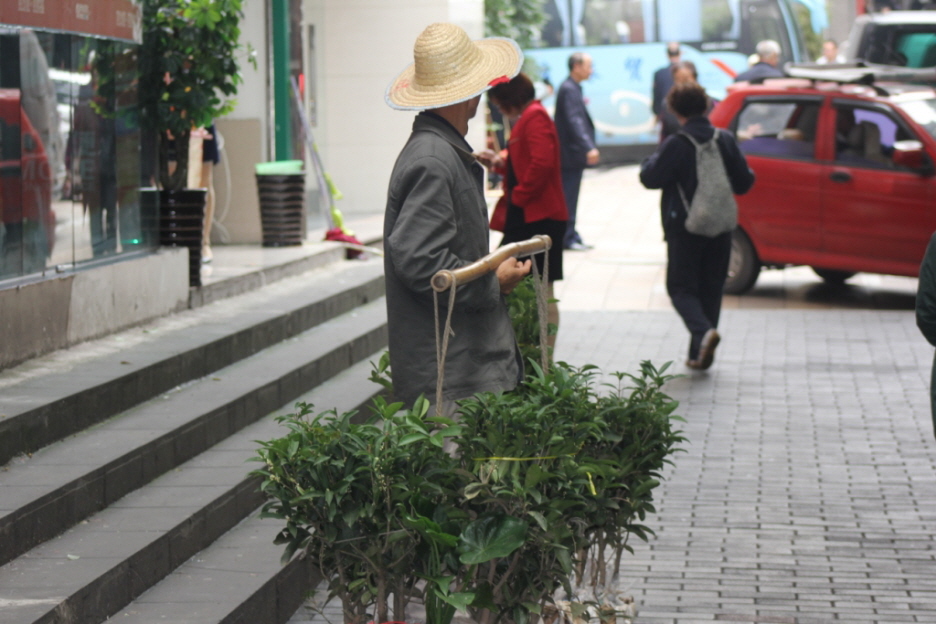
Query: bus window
(709, 25)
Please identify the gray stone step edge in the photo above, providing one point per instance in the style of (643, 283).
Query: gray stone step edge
(46, 494)
(90, 574)
(326, 252)
(239, 284)
(43, 411)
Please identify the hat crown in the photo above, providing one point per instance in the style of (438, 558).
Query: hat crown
(449, 68)
(441, 54)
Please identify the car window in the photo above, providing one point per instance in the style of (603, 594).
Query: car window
(865, 137)
(906, 45)
(923, 112)
(919, 49)
(778, 129)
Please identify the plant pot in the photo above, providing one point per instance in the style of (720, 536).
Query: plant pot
(181, 222)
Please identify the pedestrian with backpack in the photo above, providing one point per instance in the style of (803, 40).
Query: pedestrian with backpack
(700, 169)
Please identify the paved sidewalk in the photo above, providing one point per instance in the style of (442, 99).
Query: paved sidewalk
(803, 493)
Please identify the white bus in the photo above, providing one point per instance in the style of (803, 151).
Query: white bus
(627, 42)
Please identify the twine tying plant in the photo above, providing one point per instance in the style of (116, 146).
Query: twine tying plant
(449, 280)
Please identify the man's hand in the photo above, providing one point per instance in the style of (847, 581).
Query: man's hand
(592, 157)
(489, 158)
(510, 272)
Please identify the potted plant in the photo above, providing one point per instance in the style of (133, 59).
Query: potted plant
(189, 70)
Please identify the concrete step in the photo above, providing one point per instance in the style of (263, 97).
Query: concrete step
(57, 395)
(63, 483)
(239, 578)
(104, 566)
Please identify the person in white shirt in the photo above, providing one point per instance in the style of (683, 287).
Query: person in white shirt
(830, 53)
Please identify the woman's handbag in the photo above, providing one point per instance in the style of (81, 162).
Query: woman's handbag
(499, 216)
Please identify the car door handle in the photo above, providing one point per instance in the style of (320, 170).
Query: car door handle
(840, 176)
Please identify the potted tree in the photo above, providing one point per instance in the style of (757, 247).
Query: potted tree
(189, 70)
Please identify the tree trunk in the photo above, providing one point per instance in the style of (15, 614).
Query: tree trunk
(174, 179)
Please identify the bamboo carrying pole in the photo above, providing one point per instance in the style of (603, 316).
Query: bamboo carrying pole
(449, 280)
(444, 279)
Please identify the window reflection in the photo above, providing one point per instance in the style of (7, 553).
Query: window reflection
(69, 151)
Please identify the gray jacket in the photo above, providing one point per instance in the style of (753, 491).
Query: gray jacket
(437, 219)
(926, 311)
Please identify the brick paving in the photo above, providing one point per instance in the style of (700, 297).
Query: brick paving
(802, 495)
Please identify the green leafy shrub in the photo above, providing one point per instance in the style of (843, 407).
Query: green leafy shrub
(345, 491)
(535, 484)
(524, 315)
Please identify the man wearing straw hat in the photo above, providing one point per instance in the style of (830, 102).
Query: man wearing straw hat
(437, 219)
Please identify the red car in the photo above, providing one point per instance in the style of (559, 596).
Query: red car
(25, 179)
(846, 176)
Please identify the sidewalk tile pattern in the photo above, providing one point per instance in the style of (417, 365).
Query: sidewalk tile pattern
(804, 495)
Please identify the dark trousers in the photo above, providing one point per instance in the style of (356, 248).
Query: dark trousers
(571, 183)
(695, 275)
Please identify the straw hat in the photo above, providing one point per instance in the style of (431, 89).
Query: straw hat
(450, 68)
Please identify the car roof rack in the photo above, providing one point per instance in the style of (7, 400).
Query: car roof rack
(868, 74)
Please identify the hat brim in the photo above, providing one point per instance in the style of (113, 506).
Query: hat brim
(501, 59)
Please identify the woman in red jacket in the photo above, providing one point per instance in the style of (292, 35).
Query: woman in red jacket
(533, 201)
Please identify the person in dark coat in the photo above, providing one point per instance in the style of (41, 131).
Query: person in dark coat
(577, 147)
(683, 71)
(663, 82)
(926, 310)
(436, 219)
(768, 54)
(696, 265)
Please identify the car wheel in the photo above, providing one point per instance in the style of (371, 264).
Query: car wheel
(831, 276)
(744, 265)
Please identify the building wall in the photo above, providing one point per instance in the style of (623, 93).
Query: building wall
(364, 45)
(49, 314)
(245, 139)
(361, 45)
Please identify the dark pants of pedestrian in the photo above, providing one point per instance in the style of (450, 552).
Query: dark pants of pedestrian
(695, 276)
(571, 182)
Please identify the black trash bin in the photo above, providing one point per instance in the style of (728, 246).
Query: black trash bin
(281, 186)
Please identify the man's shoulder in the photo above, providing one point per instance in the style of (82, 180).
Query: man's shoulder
(760, 70)
(568, 84)
(425, 149)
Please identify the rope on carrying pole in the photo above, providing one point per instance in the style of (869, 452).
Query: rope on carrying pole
(450, 280)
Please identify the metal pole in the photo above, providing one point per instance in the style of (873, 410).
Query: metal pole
(281, 91)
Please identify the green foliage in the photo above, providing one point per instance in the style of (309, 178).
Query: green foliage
(346, 490)
(539, 483)
(811, 39)
(716, 20)
(525, 317)
(520, 20)
(189, 71)
(578, 466)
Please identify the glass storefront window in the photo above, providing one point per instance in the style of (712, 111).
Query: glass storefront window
(70, 170)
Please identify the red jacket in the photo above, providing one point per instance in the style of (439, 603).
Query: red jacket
(533, 151)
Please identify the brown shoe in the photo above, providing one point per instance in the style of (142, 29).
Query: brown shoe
(707, 349)
(694, 364)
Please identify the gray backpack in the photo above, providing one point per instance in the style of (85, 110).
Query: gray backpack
(713, 210)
